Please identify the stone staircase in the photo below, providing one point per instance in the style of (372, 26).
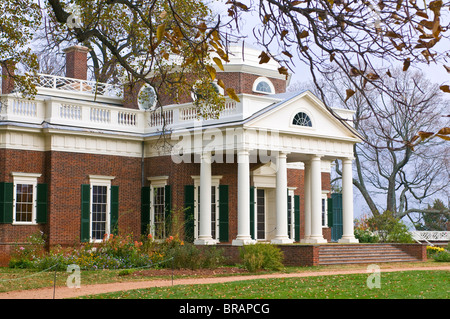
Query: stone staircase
(360, 253)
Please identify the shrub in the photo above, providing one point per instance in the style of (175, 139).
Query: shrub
(442, 256)
(389, 228)
(261, 256)
(22, 256)
(362, 231)
(188, 256)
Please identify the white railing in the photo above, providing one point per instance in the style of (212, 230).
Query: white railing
(76, 85)
(95, 115)
(429, 236)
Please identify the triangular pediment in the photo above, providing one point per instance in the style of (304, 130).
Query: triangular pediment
(280, 115)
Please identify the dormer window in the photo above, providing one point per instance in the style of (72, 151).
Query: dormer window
(302, 119)
(263, 85)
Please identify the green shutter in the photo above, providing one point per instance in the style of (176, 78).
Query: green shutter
(41, 203)
(223, 213)
(6, 203)
(145, 210)
(85, 212)
(252, 212)
(168, 209)
(297, 217)
(114, 213)
(330, 212)
(189, 213)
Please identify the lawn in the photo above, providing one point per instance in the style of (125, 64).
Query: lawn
(395, 285)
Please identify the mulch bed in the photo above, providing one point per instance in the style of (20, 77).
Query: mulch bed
(190, 272)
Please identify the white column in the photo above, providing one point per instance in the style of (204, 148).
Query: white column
(281, 202)
(316, 201)
(347, 203)
(204, 237)
(243, 236)
(307, 188)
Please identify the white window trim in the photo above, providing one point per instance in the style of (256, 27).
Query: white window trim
(100, 180)
(263, 79)
(292, 226)
(215, 181)
(307, 112)
(29, 179)
(325, 219)
(155, 181)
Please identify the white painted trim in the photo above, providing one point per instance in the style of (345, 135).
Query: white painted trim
(29, 179)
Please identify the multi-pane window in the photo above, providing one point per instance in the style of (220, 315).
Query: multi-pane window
(25, 197)
(159, 221)
(302, 119)
(24, 203)
(99, 212)
(324, 211)
(263, 87)
(260, 214)
(213, 212)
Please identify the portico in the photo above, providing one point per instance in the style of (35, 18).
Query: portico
(262, 206)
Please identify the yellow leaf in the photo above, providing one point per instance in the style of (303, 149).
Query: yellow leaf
(444, 130)
(349, 93)
(221, 84)
(219, 63)
(160, 32)
(211, 71)
(264, 58)
(232, 94)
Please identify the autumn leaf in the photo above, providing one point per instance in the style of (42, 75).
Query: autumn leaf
(303, 34)
(287, 54)
(283, 70)
(264, 58)
(406, 64)
(221, 84)
(349, 93)
(445, 88)
(160, 32)
(218, 62)
(232, 94)
(211, 71)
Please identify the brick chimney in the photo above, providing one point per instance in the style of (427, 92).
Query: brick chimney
(8, 69)
(76, 62)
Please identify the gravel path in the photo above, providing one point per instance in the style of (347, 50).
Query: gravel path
(65, 292)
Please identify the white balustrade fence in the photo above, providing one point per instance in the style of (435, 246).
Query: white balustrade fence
(431, 235)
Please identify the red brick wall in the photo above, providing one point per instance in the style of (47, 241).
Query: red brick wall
(240, 82)
(64, 173)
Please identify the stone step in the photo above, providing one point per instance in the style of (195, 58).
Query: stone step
(351, 254)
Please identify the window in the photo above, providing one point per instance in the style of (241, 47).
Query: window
(263, 85)
(324, 210)
(214, 209)
(215, 196)
(147, 97)
(302, 119)
(99, 211)
(25, 198)
(159, 213)
(156, 210)
(99, 208)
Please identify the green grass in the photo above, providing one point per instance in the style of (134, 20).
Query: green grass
(394, 285)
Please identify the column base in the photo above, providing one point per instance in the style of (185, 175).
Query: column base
(243, 241)
(280, 241)
(348, 240)
(316, 240)
(204, 242)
